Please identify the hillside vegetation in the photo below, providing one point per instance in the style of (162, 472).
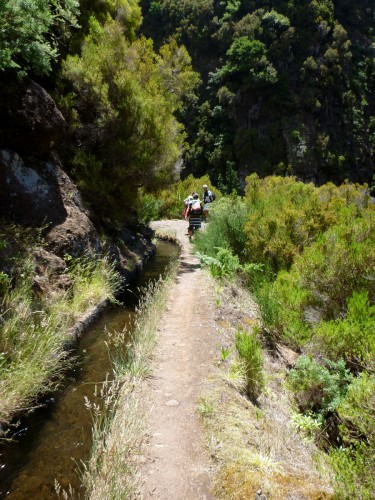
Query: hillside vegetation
(307, 254)
(288, 87)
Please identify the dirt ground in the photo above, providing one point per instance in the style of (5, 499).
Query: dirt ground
(177, 466)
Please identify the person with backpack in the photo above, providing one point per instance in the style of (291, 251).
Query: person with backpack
(187, 202)
(208, 197)
(194, 214)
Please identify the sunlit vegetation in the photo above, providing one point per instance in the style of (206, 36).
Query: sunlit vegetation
(125, 99)
(35, 328)
(307, 254)
(32, 33)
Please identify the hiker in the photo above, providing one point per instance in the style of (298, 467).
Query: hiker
(208, 197)
(194, 214)
(187, 202)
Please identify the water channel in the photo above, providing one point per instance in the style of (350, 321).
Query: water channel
(56, 437)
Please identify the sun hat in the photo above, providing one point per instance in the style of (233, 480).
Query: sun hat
(204, 185)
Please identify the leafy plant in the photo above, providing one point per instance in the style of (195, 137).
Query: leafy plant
(131, 94)
(226, 228)
(351, 338)
(318, 388)
(225, 264)
(308, 424)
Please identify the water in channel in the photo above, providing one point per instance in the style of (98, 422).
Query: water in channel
(56, 437)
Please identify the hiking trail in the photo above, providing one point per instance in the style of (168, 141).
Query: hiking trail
(176, 465)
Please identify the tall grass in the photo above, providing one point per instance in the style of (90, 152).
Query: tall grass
(35, 329)
(250, 353)
(119, 428)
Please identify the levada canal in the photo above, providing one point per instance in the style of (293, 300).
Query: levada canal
(50, 445)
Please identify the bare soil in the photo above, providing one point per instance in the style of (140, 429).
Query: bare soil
(177, 465)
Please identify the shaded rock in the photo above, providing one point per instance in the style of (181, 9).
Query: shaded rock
(42, 195)
(50, 273)
(31, 124)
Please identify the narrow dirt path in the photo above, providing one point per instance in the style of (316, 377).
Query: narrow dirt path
(176, 466)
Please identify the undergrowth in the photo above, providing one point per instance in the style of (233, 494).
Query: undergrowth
(35, 327)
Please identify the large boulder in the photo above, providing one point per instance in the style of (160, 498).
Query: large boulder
(42, 195)
(30, 124)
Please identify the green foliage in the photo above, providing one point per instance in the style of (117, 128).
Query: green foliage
(247, 60)
(354, 469)
(129, 94)
(226, 227)
(225, 264)
(284, 217)
(148, 207)
(354, 463)
(290, 67)
(357, 410)
(351, 338)
(318, 388)
(31, 31)
(250, 353)
(309, 424)
(319, 286)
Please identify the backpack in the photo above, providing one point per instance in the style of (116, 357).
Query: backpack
(196, 208)
(209, 197)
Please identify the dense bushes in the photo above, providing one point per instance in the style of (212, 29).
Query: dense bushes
(309, 256)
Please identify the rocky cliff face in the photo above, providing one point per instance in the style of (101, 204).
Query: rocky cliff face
(36, 192)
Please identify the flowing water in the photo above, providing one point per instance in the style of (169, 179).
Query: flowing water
(56, 438)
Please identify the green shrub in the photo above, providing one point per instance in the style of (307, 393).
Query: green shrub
(250, 353)
(269, 307)
(357, 410)
(226, 228)
(318, 388)
(351, 338)
(354, 469)
(292, 300)
(324, 278)
(225, 264)
(342, 261)
(286, 216)
(148, 208)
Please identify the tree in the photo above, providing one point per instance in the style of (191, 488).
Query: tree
(125, 99)
(31, 30)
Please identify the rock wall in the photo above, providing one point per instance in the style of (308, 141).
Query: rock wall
(36, 192)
